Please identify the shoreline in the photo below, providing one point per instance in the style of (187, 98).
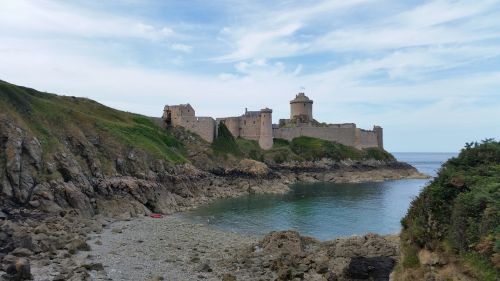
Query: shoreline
(173, 248)
(68, 258)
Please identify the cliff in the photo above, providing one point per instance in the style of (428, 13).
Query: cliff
(70, 165)
(452, 230)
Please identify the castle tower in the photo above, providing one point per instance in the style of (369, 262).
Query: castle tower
(301, 108)
(266, 129)
(380, 135)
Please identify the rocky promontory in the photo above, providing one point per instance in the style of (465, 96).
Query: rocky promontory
(69, 167)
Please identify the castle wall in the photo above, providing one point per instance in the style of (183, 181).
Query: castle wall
(257, 125)
(232, 124)
(250, 127)
(203, 126)
(346, 136)
(367, 139)
(178, 112)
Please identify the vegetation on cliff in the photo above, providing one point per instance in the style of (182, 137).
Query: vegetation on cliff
(55, 119)
(457, 217)
(225, 142)
(299, 149)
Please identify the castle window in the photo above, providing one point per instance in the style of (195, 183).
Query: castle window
(254, 122)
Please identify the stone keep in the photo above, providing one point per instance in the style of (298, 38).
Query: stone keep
(301, 108)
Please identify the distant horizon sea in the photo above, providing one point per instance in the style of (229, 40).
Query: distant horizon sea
(325, 210)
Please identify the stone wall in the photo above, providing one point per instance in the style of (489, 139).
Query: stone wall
(301, 109)
(232, 124)
(346, 134)
(250, 127)
(366, 139)
(203, 126)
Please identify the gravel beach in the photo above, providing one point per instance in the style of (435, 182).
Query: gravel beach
(168, 248)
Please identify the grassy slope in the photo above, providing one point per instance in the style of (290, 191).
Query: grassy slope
(299, 149)
(458, 213)
(52, 119)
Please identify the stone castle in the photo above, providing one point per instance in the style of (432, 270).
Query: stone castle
(258, 126)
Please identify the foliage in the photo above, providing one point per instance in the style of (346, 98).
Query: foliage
(315, 149)
(225, 142)
(299, 149)
(461, 206)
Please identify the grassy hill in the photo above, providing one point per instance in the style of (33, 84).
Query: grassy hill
(53, 119)
(457, 218)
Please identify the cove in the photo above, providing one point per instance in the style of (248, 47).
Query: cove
(323, 210)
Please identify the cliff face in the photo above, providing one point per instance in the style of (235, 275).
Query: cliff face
(452, 230)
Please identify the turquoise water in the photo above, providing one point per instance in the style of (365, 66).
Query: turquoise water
(324, 210)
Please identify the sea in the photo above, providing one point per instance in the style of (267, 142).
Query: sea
(325, 210)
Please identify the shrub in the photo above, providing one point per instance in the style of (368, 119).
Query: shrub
(460, 207)
(225, 142)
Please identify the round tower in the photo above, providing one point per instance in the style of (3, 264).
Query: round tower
(301, 108)
(266, 129)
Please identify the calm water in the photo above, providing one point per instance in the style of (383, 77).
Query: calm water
(324, 210)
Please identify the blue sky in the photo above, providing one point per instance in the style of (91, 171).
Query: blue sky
(427, 71)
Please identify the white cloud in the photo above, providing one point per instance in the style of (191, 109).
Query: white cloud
(58, 19)
(181, 47)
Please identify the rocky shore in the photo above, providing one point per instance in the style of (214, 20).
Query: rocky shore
(48, 238)
(171, 248)
(51, 200)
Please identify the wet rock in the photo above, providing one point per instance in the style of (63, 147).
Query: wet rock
(374, 268)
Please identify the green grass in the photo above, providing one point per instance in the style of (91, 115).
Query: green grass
(54, 119)
(410, 259)
(299, 149)
(481, 267)
(460, 209)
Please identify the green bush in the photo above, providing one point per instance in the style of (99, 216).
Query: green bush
(225, 142)
(461, 206)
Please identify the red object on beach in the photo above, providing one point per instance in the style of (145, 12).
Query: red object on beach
(156, 216)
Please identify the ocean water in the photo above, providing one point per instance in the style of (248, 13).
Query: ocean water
(324, 210)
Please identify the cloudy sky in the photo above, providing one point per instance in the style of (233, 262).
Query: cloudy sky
(427, 71)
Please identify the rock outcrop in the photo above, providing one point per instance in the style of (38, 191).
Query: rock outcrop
(286, 255)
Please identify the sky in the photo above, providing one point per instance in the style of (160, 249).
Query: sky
(428, 72)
